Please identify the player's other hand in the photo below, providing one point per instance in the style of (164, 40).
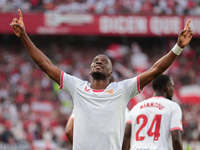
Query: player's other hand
(185, 36)
(18, 25)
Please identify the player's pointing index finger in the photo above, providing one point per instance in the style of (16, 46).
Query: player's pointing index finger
(20, 15)
(187, 24)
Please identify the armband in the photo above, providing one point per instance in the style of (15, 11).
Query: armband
(176, 49)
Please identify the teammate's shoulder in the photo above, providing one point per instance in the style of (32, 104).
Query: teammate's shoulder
(171, 104)
(171, 101)
(175, 104)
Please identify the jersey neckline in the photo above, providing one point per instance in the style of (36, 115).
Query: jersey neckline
(98, 90)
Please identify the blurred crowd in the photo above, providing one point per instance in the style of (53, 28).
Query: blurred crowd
(34, 111)
(168, 7)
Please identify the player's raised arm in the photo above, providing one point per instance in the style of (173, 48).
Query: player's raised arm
(40, 59)
(163, 63)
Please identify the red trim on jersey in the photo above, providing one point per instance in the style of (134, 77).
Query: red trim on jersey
(93, 90)
(138, 84)
(87, 89)
(129, 121)
(61, 80)
(71, 118)
(97, 90)
(176, 128)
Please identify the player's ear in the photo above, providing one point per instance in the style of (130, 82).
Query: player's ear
(166, 89)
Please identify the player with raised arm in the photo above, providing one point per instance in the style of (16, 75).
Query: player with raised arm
(152, 121)
(70, 124)
(99, 107)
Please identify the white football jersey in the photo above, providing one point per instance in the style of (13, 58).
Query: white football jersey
(99, 115)
(152, 120)
(126, 114)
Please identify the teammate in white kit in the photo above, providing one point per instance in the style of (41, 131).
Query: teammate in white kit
(99, 107)
(151, 121)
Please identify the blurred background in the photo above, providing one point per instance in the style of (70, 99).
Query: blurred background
(133, 33)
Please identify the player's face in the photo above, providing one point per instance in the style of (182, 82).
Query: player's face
(170, 91)
(101, 65)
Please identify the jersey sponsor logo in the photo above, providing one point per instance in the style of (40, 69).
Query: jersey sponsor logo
(87, 89)
(110, 91)
(156, 105)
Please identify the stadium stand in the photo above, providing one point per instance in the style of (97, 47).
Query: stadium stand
(168, 7)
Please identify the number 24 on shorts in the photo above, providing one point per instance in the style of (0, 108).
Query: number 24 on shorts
(156, 133)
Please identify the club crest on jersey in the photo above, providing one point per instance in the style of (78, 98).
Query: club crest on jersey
(110, 91)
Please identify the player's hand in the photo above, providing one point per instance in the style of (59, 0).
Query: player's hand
(185, 36)
(18, 25)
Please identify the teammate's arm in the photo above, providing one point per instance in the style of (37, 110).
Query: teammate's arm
(69, 130)
(127, 136)
(40, 59)
(176, 140)
(163, 63)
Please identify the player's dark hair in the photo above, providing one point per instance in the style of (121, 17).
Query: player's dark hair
(161, 81)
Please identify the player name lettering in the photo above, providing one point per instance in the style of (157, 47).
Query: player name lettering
(156, 105)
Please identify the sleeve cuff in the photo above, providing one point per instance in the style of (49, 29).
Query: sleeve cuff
(138, 85)
(61, 80)
(129, 121)
(176, 128)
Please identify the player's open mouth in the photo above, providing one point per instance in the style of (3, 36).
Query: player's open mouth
(98, 66)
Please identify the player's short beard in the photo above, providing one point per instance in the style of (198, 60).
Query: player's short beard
(98, 76)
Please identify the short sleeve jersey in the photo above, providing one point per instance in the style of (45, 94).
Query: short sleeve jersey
(99, 115)
(152, 120)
